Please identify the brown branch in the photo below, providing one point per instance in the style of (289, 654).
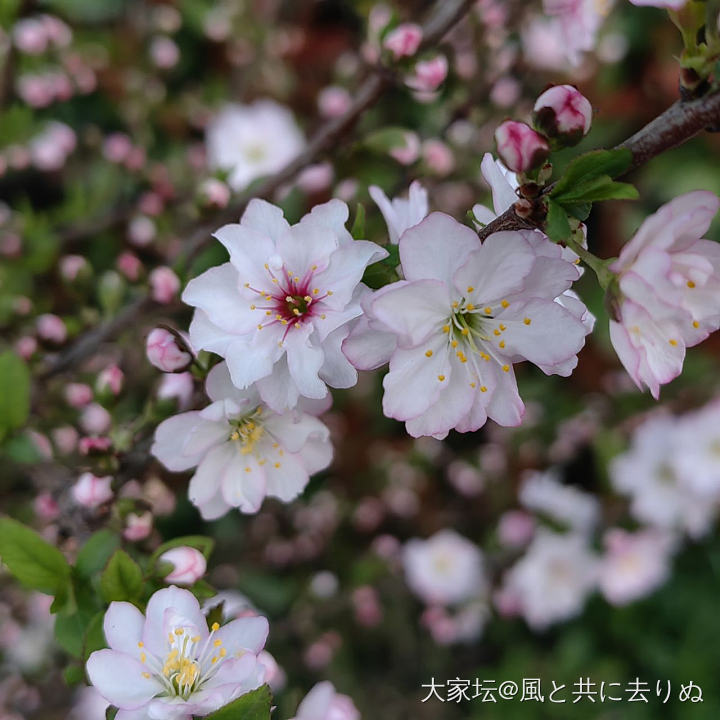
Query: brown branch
(678, 124)
(445, 14)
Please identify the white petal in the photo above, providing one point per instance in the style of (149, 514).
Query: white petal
(183, 603)
(123, 626)
(304, 363)
(248, 633)
(170, 438)
(119, 679)
(205, 483)
(243, 483)
(265, 218)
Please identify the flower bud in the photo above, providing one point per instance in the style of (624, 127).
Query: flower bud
(92, 491)
(164, 285)
(428, 75)
(404, 40)
(137, 527)
(520, 147)
(562, 112)
(110, 380)
(164, 353)
(189, 565)
(51, 328)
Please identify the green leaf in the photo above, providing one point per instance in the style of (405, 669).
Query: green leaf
(33, 561)
(358, 228)
(70, 630)
(73, 675)
(110, 713)
(557, 226)
(200, 542)
(95, 553)
(252, 706)
(202, 590)
(14, 392)
(383, 273)
(580, 211)
(595, 190)
(592, 165)
(94, 638)
(389, 138)
(122, 578)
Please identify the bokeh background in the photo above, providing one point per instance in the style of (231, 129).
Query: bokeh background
(102, 158)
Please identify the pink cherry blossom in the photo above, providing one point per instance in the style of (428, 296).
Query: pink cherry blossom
(95, 419)
(520, 147)
(189, 565)
(52, 328)
(78, 394)
(111, 378)
(167, 665)
(465, 313)
(404, 40)
(177, 386)
(242, 450)
(399, 213)
(334, 101)
(280, 309)
(446, 569)
(323, 702)
(164, 353)
(428, 75)
(214, 193)
(578, 23)
(669, 290)
(438, 156)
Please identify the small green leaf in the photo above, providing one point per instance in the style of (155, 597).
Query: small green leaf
(33, 561)
(122, 578)
(110, 713)
(70, 629)
(202, 590)
(252, 706)
(595, 190)
(358, 228)
(73, 675)
(14, 392)
(96, 552)
(592, 165)
(94, 638)
(580, 211)
(557, 226)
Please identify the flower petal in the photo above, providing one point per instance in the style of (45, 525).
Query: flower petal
(119, 679)
(123, 627)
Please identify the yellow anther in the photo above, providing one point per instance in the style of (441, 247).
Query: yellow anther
(223, 652)
(277, 464)
(217, 642)
(470, 288)
(456, 304)
(527, 321)
(673, 342)
(506, 368)
(469, 307)
(247, 284)
(329, 292)
(248, 469)
(297, 324)
(252, 307)
(268, 312)
(267, 267)
(179, 631)
(314, 267)
(696, 324)
(323, 316)
(275, 280)
(496, 331)
(485, 357)
(501, 344)
(196, 639)
(488, 311)
(278, 316)
(690, 284)
(503, 328)
(428, 353)
(215, 627)
(483, 388)
(454, 343)
(141, 644)
(296, 279)
(276, 445)
(146, 675)
(441, 378)
(283, 322)
(143, 657)
(214, 660)
(505, 303)
(316, 291)
(446, 329)
(465, 331)
(472, 384)
(259, 327)
(307, 298)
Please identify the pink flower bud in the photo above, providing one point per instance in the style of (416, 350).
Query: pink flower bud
(92, 491)
(71, 266)
(95, 419)
(438, 157)
(94, 445)
(274, 675)
(111, 378)
(164, 352)
(515, 528)
(141, 231)
(78, 394)
(30, 36)
(214, 193)
(26, 347)
(333, 101)
(137, 527)
(520, 147)
(51, 328)
(65, 439)
(129, 265)
(409, 152)
(151, 204)
(404, 40)
(428, 75)
(563, 112)
(189, 564)
(164, 285)
(164, 52)
(45, 506)
(316, 178)
(117, 147)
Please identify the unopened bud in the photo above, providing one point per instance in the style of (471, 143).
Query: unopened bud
(563, 113)
(520, 148)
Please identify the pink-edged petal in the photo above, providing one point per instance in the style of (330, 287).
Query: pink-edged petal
(416, 381)
(205, 483)
(247, 634)
(414, 310)
(243, 483)
(170, 438)
(265, 219)
(496, 270)
(435, 248)
(502, 183)
(317, 702)
(182, 603)
(337, 371)
(367, 348)
(119, 679)
(123, 627)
